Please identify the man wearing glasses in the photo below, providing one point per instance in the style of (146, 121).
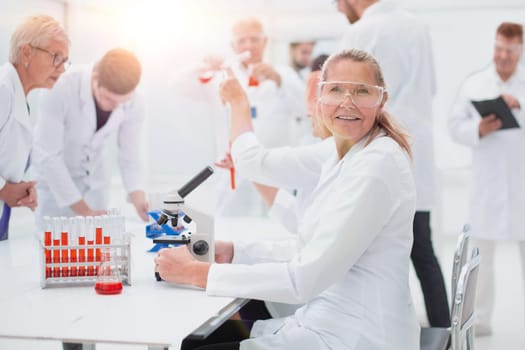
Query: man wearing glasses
(402, 45)
(76, 120)
(498, 160)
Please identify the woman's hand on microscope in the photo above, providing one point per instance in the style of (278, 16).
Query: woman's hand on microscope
(177, 265)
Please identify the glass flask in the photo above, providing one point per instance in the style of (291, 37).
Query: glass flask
(108, 277)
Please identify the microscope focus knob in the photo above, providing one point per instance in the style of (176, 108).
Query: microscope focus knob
(201, 247)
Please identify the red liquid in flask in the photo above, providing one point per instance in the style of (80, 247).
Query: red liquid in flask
(108, 288)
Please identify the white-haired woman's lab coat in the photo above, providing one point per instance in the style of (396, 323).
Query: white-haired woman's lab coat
(402, 45)
(71, 158)
(498, 159)
(16, 130)
(350, 265)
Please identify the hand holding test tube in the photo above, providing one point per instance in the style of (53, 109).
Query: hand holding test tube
(214, 64)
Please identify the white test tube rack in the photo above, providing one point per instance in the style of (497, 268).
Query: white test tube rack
(70, 271)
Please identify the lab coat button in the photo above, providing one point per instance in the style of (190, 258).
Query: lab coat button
(87, 172)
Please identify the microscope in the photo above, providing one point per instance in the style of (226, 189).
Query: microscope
(176, 214)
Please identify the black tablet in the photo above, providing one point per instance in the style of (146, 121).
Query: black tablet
(498, 107)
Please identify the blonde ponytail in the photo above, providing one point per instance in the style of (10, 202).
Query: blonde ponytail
(388, 124)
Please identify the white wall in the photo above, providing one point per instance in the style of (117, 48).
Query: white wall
(171, 35)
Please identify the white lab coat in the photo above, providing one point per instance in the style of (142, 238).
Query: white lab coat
(402, 46)
(16, 133)
(71, 159)
(349, 265)
(281, 166)
(277, 109)
(498, 159)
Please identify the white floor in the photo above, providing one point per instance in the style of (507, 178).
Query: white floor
(509, 315)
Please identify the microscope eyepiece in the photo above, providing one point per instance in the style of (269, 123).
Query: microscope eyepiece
(195, 181)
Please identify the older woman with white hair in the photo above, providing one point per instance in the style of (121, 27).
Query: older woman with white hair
(38, 53)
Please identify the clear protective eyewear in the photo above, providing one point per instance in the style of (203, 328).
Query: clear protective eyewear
(334, 93)
(58, 59)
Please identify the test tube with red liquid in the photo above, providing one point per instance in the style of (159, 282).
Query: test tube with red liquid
(48, 234)
(81, 233)
(64, 242)
(97, 220)
(252, 80)
(107, 229)
(90, 236)
(57, 229)
(73, 233)
(206, 77)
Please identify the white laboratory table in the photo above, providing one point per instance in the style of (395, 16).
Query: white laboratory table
(156, 314)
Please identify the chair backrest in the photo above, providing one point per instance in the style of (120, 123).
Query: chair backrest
(460, 258)
(463, 314)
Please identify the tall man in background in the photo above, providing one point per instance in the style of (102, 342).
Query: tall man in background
(402, 46)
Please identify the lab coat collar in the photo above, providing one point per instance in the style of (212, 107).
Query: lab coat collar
(518, 76)
(379, 7)
(22, 115)
(333, 165)
(89, 112)
(87, 100)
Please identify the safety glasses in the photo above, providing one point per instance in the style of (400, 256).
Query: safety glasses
(334, 93)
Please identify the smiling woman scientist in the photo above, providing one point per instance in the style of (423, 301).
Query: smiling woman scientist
(38, 52)
(351, 266)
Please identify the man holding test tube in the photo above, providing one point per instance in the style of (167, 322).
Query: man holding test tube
(276, 96)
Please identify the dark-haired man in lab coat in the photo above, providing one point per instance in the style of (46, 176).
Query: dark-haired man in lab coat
(401, 43)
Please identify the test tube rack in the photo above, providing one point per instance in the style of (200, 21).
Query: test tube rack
(81, 273)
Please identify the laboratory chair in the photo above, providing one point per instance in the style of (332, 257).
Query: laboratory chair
(463, 313)
(460, 258)
(460, 334)
(437, 338)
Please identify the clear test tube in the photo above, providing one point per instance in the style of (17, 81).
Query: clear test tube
(120, 223)
(81, 233)
(57, 229)
(64, 242)
(90, 236)
(73, 257)
(120, 237)
(48, 236)
(113, 211)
